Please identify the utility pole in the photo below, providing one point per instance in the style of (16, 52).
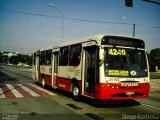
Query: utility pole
(134, 28)
(52, 5)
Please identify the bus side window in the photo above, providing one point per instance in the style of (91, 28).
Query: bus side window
(63, 58)
(42, 58)
(34, 59)
(75, 55)
(48, 57)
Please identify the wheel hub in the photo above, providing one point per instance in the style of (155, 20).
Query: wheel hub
(75, 91)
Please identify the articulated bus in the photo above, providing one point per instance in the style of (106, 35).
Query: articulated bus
(102, 67)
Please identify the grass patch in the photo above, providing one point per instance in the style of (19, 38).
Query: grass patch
(24, 67)
(154, 75)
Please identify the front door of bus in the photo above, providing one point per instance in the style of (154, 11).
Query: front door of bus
(90, 70)
(54, 69)
(37, 69)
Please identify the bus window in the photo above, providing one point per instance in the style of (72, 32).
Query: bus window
(74, 55)
(34, 59)
(48, 57)
(42, 58)
(120, 63)
(63, 59)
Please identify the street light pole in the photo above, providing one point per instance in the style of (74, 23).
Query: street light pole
(134, 29)
(62, 19)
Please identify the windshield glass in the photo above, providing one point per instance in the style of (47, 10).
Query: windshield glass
(125, 62)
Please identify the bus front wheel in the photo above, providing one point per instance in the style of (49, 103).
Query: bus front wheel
(76, 92)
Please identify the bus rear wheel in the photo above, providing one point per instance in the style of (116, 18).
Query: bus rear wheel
(43, 82)
(76, 92)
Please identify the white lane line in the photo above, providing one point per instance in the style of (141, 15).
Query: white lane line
(155, 90)
(28, 90)
(150, 106)
(14, 91)
(41, 89)
(154, 93)
(2, 94)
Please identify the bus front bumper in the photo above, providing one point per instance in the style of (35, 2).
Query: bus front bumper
(111, 91)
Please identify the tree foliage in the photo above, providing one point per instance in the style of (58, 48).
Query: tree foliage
(13, 60)
(20, 58)
(3, 58)
(154, 59)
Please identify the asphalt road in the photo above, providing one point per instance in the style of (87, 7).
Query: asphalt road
(21, 99)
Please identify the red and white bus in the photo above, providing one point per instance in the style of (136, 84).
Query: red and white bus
(102, 67)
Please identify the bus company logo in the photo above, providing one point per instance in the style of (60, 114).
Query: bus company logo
(133, 73)
(62, 85)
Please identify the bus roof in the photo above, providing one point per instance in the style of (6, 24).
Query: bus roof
(97, 38)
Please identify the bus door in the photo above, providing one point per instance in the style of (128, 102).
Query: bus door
(37, 67)
(54, 69)
(90, 70)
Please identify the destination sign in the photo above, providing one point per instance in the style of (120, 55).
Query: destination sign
(123, 41)
(118, 73)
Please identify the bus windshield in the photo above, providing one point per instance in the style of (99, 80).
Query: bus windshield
(121, 62)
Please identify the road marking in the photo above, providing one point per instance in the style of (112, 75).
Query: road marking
(2, 94)
(14, 91)
(154, 90)
(21, 90)
(28, 90)
(7, 92)
(155, 93)
(150, 106)
(42, 89)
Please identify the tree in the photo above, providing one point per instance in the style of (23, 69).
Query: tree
(154, 58)
(13, 60)
(26, 59)
(29, 60)
(21, 58)
(1, 58)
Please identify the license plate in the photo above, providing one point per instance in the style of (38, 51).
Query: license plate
(129, 84)
(129, 93)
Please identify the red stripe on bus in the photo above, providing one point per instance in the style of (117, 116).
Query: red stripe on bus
(48, 80)
(64, 83)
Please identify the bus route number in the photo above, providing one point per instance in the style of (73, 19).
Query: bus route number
(117, 52)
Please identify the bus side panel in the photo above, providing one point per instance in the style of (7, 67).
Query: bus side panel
(40, 77)
(80, 86)
(64, 84)
(48, 80)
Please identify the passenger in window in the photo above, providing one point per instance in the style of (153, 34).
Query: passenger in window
(77, 60)
(48, 62)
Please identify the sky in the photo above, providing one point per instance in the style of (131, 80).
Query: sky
(28, 25)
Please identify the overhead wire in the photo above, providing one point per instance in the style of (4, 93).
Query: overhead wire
(75, 19)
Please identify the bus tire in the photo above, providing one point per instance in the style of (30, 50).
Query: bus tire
(75, 92)
(43, 82)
